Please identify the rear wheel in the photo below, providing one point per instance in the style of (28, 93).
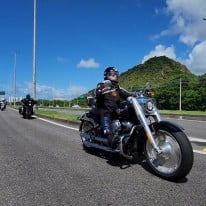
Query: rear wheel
(86, 127)
(176, 159)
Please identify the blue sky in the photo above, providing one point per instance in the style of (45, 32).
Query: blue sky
(77, 39)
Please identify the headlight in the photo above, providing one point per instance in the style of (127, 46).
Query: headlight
(149, 106)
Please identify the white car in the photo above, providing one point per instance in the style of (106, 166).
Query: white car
(76, 106)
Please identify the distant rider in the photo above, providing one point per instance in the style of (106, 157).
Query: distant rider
(3, 104)
(26, 101)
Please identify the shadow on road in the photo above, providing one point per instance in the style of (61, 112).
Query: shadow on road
(29, 118)
(117, 160)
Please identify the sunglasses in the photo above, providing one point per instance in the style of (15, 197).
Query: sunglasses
(112, 74)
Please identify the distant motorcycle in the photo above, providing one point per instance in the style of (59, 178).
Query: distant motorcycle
(3, 104)
(141, 131)
(27, 109)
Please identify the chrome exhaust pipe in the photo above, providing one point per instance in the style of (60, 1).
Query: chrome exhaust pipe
(121, 143)
(89, 137)
(101, 147)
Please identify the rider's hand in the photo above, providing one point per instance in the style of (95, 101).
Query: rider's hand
(105, 89)
(133, 94)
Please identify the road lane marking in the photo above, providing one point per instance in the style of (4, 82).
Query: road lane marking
(189, 120)
(58, 124)
(195, 139)
(199, 140)
(199, 152)
(192, 139)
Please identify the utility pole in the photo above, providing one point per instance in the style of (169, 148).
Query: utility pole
(180, 102)
(14, 79)
(34, 53)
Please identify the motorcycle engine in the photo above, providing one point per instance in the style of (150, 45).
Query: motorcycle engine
(126, 127)
(116, 126)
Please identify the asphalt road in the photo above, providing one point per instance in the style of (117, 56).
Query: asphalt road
(195, 130)
(44, 164)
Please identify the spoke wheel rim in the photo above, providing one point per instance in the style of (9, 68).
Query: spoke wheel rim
(169, 160)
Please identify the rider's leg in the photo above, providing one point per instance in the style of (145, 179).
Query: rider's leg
(106, 125)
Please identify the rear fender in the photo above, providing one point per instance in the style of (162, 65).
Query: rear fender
(86, 117)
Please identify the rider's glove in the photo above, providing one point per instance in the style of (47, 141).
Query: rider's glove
(105, 89)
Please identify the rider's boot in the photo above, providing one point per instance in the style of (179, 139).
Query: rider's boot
(108, 133)
(106, 124)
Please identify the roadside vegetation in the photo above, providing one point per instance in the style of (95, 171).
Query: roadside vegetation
(57, 115)
(176, 112)
(75, 118)
(169, 80)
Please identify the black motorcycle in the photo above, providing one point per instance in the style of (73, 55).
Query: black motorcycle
(3, 104)
(27, 109)
(142, 132)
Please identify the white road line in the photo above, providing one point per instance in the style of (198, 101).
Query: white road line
(195, 139)
(199, 152)
(189, 120)
(61, 125)
(73, 128)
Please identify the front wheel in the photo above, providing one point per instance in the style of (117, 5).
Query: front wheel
(176, 159)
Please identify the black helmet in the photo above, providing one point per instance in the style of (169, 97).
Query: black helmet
(28, 96)
(110, 71)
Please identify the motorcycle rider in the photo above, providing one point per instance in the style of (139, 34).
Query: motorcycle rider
(3, 104)
(25, 102)
(108, 95)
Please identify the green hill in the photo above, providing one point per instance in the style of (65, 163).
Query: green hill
(156, 71)
(165, 77)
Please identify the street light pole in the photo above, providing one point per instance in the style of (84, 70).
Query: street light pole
(180, 102)
(34, 53)
(14, 79)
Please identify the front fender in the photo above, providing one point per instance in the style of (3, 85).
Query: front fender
(168, 125)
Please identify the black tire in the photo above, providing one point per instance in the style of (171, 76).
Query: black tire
(177, 159)
(28, 114)
(84, 127)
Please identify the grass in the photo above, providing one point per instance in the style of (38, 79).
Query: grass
(177, 112)
(58, 115)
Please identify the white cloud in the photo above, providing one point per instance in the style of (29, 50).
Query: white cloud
(90, 63)
(187, 19)
(188, 25)
(197, 59)
(187, 22)
(50, 92)
(75, 91)
(161, 50)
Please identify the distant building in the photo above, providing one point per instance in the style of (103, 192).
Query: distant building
(59, 98)
(12, 99)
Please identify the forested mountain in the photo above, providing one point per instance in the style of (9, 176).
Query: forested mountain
(157, 71)
(170, 81)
